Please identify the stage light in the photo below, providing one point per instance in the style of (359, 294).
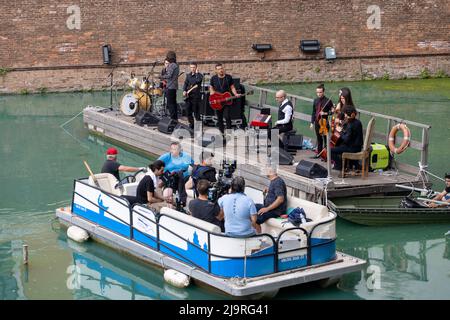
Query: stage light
(106, 50)
(310, 46)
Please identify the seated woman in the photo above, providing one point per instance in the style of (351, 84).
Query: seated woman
(351, 139)
(444, 196)
(345, 99)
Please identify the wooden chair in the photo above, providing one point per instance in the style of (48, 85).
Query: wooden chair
(364, 154)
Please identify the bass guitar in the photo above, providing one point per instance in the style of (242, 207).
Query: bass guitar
(218, 100)
(189, 91)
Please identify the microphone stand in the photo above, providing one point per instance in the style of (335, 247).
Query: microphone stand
(111, 75)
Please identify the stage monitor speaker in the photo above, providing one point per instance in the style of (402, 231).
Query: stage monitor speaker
(293, 142)
(284, 157)
(310, 170)
(146, 118)
(166, 125)
(182, 126)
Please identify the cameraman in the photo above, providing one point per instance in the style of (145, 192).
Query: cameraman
(239, 210)
(146, 192)
(204, 209)
(177, 165)
(204, 170)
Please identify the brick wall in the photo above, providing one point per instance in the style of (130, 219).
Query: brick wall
(36, 34)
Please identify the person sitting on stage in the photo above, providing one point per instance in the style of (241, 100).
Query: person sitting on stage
(351, 139)
(221, 83)
(238, 210)
(171, 77)
(321, 107)
(194, 78)
(204, 209)
(444, 196)
(146, 192)
(177, 163)
(345, 99)
(204, 170)
(275, 199)
(285, 112)
(113, 167)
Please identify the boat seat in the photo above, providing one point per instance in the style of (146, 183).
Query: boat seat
(190, 219)
(107, 183)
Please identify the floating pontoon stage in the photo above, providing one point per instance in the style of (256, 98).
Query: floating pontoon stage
(113, 125)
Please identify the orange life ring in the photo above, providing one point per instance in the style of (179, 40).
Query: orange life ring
(406, 138)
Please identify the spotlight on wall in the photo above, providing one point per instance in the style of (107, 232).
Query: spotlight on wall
(106, 50)
(310, 46)
(330, 54)
(262, 48)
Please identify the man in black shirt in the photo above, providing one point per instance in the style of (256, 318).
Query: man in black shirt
(146, 189)
(221, 83)
(321, 107)
(275, 199)
(351, 139)
(113, 167)
(193, 79)
(204, 209)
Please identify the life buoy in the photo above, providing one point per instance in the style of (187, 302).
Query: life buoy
(406, 138)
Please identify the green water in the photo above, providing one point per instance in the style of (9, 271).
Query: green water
(39, 161)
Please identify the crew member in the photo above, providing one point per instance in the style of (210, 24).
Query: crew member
(239, 210)
(146, 189)
(113, 167)
(221, 83)
(170, 76)
(177, 163)
(351, 139)
(275, 199)
(321, 107)
(191, 92)
(204, 170)
(204, 209)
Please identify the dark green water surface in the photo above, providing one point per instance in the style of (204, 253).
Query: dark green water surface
(39, 161)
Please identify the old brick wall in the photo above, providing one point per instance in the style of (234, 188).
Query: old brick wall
(39, 47)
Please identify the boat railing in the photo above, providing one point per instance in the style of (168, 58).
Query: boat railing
(274, 242)
(264, 95)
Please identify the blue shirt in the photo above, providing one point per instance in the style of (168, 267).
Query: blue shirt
(181, 162)
(238, 209)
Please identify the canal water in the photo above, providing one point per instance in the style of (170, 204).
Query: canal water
(39, 159)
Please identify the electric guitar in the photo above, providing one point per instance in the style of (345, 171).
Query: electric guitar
(218, 100)
(189, 91)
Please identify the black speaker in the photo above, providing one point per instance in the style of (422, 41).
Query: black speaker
(310, 46)
(284, 157)
(182, 126)
(310, 170)
(166, 125)
(106, 50)
(292, 142)
(146, 118)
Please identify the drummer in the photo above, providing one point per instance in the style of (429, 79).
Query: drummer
(444, 196)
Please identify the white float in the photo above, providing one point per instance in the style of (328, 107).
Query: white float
(177, 279)
(77, 234)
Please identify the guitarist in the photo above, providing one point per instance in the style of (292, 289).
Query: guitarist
(221, 83)
(193, 79)
(171, 77)
(321, 107)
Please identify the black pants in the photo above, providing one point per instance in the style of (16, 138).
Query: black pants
(171, 96)
(336, 154)
(265, 216)
(193, 108)
(282, 128)
(321, 140)
(225, 112)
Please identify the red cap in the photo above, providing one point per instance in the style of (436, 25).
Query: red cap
(112, 151)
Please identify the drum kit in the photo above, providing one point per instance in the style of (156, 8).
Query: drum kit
(147, 95)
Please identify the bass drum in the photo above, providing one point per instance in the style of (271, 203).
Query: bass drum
(132, 102)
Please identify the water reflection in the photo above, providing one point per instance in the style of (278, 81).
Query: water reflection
(408, 262)
(11, 283)
(99, 272)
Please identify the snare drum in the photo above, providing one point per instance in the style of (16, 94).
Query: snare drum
(156, 92)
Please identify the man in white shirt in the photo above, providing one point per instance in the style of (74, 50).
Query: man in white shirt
(285, 112)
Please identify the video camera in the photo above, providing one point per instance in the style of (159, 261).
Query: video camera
(223, 184)
(170, 180)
